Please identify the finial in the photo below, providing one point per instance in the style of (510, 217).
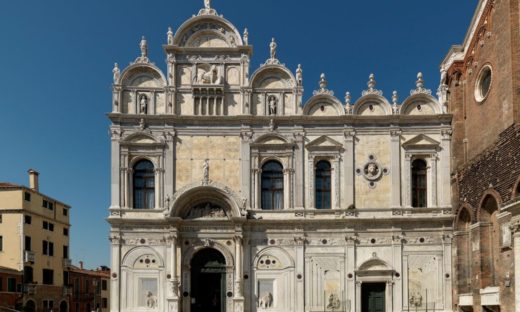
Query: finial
(348, 98)
(395, 97)
(323, 82)
(246, 37)
(170, 36)
(144, 47)
(207, 4)
(420, 82)
(116, 72)
(419, 86)
(372, 86)
(272, 48)
(299, 75)
(371, 82)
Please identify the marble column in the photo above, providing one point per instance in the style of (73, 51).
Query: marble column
(239, 267)
(337, 184)
(173, 267)
(433, 179)
(444, 170)
(245, 166)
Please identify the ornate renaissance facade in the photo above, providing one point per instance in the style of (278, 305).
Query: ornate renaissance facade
(231, 194)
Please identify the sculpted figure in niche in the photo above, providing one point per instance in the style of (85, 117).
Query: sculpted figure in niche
(272, 105)
(207, 4)
(143, 104)
(151, 300)
(205, 170)
(266, 301)
(117, 72)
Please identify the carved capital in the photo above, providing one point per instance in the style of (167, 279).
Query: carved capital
(395, 133)
(446, 134)
(246, 136)
(349, 134)
(515, 226)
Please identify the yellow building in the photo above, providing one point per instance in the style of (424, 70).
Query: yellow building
(34, 239)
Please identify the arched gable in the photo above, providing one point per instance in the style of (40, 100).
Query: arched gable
(142, 75)
(211, 192)
(323, 105)
(207, 30)
(280, 254)
(375, 264)
(372, 105)
(135, 253)
(271, 138)
(420, 104)
(273, 76)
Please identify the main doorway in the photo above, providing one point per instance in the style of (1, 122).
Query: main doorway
(208, 281)
(373, 297)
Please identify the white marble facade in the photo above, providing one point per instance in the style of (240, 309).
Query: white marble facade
(208, 126)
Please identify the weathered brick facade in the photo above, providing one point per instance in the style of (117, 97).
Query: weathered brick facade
(497, 168)
(486, 159)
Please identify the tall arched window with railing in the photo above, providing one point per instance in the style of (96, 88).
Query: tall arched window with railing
(272, 186)
(419, 184)
(323, 185)
(144, 185)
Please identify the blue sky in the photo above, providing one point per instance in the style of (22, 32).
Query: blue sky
(57, 56)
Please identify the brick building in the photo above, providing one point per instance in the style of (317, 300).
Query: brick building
(90, 290)
(480, 80)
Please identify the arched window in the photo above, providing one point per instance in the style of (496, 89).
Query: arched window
(323, 185)
(419, 183)
(272, 186)
(144, 185)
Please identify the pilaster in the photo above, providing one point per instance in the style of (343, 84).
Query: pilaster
(299, 187)
(395, 171)
(348, 157)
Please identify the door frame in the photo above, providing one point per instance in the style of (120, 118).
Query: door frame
(379, 276)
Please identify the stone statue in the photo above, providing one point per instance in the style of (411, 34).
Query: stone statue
(207, 4)
(266, 301)
(143, 104)
(151, 300)
(205, 170)
(116, 72)
(299, 75)
(246, 37)
(144, 47)
(272, 105)
(272, 47)
(170, 36)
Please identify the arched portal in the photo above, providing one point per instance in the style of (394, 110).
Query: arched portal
(64, 306)
(208, 281)
(30, 306)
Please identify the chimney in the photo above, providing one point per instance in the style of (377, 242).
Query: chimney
(33, 180)
(81, 265)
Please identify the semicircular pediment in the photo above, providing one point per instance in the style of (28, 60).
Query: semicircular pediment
(207, 31)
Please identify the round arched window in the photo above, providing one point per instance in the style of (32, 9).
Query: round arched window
(483, 84)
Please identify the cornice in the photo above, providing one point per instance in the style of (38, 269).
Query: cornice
(300, 120)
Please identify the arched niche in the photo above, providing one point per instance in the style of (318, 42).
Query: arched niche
(207, 31)
(323, 105)
(420, 104)
(372, 105)
(462, 240)
(489, 238)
